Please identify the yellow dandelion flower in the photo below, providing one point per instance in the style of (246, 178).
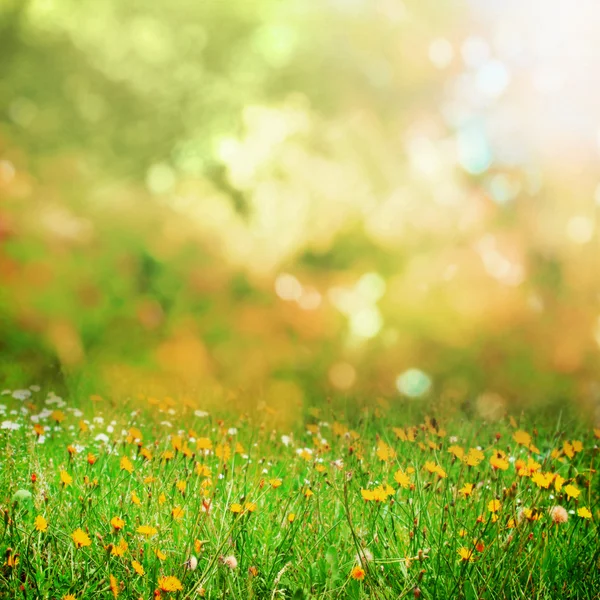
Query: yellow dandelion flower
(275, 483)
(68, 597)
(177, 512)
(522, 437)
(402, 479)
(65, 478)
(236, 508)
(117, 523)
(291, 517)
(572, 491)
(466, 554)
(126, 465)
(137, 567)
(466, 490)
(250, 506)
(40, 523)
(147, 530)
(181, 485)
(81, 538)
(494, 506)
(114, 586)
(169, 584)
(135, 498)
(160, 554)
(120, 548)
(584, 513)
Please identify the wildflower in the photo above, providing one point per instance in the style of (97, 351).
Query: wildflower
(181, 485)
(191, 563)
(39, 429)
(177, 512)
(542, 480)
(91, 459)
(236, 508)
(357, 573)
(584, 513)
(494, 506)
(81, 538)
(65, 478)
(402, 479)
(114, 586)
(135, 498)
(147, 530)
(275, 483)
(466, 554)
(120, 548)
(137, 567)
(117, 523)
(466, 490)
(522, 437)
(230, 561)
(499, 462)
(169, 584)
(473, 457)
(250, 506)
(71, 450)
(457, 451)
(160, 554)
(558, 514)
(68, 597)
(291, 517)
(126, 465)
(572, 491)
(40, 523)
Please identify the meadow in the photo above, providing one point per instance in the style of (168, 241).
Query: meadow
(157, 498)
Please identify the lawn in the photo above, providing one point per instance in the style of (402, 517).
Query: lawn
(153, 498)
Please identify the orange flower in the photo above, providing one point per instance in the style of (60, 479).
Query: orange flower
(117, 523)
(357, 573)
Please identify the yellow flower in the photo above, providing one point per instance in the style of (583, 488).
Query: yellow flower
(147, 530)
(457, 451)
(572, 491)
(120, 548)
(40, 523)
(65, 478)
(181, 485)
(169, 584)
(135, 498)
(250, 506)
(177, 512)
(466, 490)
(402, 479)
(584, 513)
(466, 554)
(68, 597)
(522, 437)
(236, 508)
(499, 462)
(473, 457)
(357, 573)
(494, 506)
(160, 555)
(291, 517)
(81, 538)
(204, 444)
(137, 567)
(117, 523)
(126, 465)
(275, 483)
(114, 586)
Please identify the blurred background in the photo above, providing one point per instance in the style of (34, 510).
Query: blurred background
(288, 201)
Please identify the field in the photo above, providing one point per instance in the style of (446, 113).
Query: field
(161, 499)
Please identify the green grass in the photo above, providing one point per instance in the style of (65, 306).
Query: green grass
(410, 536)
